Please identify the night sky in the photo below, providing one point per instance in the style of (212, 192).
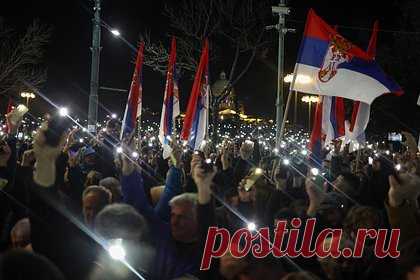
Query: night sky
(68, 56)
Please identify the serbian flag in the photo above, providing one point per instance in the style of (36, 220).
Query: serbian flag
(361, 111)
(195, 125)
(315, 143)
(134, 102)
(333, 116)
(336, 67)
(170, 107)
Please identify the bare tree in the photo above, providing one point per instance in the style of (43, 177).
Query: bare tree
(235, 25)
(21, 57)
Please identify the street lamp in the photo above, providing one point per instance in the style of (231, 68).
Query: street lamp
(27, 95)
(310, 99)
(300, 79)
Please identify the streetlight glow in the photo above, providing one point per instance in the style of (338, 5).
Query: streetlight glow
(300, 79)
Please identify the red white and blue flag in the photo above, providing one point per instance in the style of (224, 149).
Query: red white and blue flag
(355, 130)
(195, 128)
(134, 102)
(315, 142)
(333, 115)
(337, 67)
(170, 107)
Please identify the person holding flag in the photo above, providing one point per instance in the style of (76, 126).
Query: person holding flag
(170, 107)
(195, 128)
(134, 102)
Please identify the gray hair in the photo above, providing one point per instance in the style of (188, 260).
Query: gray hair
(185, 198)
(110, 183)
(120, 220)
(114, 186)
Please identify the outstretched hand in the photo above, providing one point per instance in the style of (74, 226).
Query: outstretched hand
(407, 187)
(202, 179)
(45, 156)
(316, 195)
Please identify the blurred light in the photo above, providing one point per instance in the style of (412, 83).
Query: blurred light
(119, 150)
(258, 171)
(398, 167)
(286, 161)
(63, 111)
(304, 152)
(104, 129)
(114, 116)
(315, 171)
(387, 152)
(115, 32)
(135, 155)
(251, 226)
(300, 79)
(275, 150)
(116, 250)
(81, 140)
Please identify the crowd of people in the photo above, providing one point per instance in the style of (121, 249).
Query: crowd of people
(63, 207)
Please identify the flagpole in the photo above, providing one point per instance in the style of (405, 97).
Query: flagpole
(289, 98)
(281, 10)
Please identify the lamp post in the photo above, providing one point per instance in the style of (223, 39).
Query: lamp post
(94, 77)
(310, 99)
(27, 95)
(302, 80)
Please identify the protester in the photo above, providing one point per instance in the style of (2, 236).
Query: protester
(71, 204)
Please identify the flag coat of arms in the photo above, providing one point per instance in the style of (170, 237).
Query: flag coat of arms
(337, 67)
(134, 102)
(195, 127)
(170, 107)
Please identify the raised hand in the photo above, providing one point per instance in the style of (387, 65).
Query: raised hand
(226, 156)
(316, 195)
(202, 179)
(246, 150)
(28, 158)
(176, 153)
(70, 139)
(45, 155)
(407, 187)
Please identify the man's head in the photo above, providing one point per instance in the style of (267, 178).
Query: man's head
(94, 199)
(112, 127)
(361, 217)
(113, 185)
(20, 235)
(121, 221)
(184, 224)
